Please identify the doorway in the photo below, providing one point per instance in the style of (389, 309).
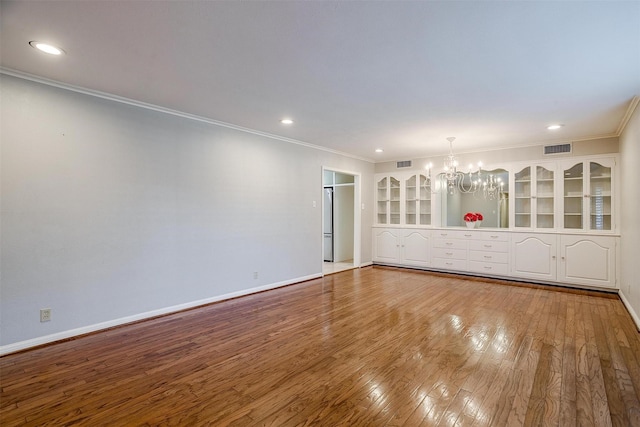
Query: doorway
(340, 220)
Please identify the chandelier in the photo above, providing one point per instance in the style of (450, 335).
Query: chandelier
(473, 182)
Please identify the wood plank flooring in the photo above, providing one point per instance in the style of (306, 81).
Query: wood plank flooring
(366, 347)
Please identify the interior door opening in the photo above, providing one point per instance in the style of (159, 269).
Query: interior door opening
(340, 221)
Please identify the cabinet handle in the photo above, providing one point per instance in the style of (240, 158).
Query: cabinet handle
(449, 243)
(443, 234)
(487, 267)
(468, 235)
(448, 263)
(563, 258)
(488, 256)
(488, 246)
(553, 257)
(448, 253)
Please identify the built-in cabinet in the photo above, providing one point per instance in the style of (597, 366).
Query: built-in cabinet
(534, 196)
(409, 247)
(403, 199)
(587, 190)
(577, 259)
(561, 215)
(572, 259)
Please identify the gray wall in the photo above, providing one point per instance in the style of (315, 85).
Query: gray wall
(111, 210)
(630, 207)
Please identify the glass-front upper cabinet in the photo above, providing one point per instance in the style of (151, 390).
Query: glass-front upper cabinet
(387, 200)
(417, 198)
(587, 195)
(534, 197)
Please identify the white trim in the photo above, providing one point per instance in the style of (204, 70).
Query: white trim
(630, 309)
(627, 115)
(153, 107)
(366, 264)
(23, 345)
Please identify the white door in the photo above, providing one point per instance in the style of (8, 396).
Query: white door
(534, 256)
(587, 260)
(386, 245)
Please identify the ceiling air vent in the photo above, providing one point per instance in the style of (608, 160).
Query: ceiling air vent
(403, 164)
(557, 149)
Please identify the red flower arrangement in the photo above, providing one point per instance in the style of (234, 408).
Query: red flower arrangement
(473, 217)
(470, 217)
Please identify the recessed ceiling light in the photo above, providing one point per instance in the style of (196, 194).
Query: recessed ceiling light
(286, 121)
(46, 48)
(554, 127)
(379, 150)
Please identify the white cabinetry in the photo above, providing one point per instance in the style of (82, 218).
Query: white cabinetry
(450, 249)
(403, 199)
(587, 190)
(588, 260)
(573, 259)
(489, 253)
(534, 256)
(402, 246)
(534, 194)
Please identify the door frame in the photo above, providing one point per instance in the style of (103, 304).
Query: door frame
(357, 213)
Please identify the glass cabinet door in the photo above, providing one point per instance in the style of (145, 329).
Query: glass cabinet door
(382, 198)
(544, 197)
(573, 195)
(394, 200)
(523, 197)
(425, 200)
(599, 196)
(410, 200)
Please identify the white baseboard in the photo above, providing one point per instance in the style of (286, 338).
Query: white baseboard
(366, 264)
(34, 342)
(630, 309)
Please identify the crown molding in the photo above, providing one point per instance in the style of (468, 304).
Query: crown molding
(627, 115)
(160, 109)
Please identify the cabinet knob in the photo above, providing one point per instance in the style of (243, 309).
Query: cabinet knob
(563, 258)
(553, 257)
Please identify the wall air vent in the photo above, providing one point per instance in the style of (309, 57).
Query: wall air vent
(403, 164)
(557, 149)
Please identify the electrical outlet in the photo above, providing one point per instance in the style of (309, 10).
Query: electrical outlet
(255, 274)
(45, 315)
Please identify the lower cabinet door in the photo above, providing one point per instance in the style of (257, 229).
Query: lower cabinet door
(533, 256)
(386, 245)
(588, 260)
(416, 248)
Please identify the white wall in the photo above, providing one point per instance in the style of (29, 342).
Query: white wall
(630, 209)
(111, 211)
(343, 211)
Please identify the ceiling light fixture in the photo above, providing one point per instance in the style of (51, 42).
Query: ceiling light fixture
(379, 150)
(554, 127)
(286, 121)
(452, 180)
(46, 48)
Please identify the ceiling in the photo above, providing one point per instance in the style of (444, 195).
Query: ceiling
(354, 76)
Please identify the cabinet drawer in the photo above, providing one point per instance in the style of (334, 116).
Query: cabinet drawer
(450, 264)
(494, 237)
(456, 234)
(450, 244)
(450, 253)
(482, 256)
(488, 268)
(483, 245)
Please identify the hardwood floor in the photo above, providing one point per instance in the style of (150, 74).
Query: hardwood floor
(368, 347)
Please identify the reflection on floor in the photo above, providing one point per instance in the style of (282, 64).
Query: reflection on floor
(335, 267)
